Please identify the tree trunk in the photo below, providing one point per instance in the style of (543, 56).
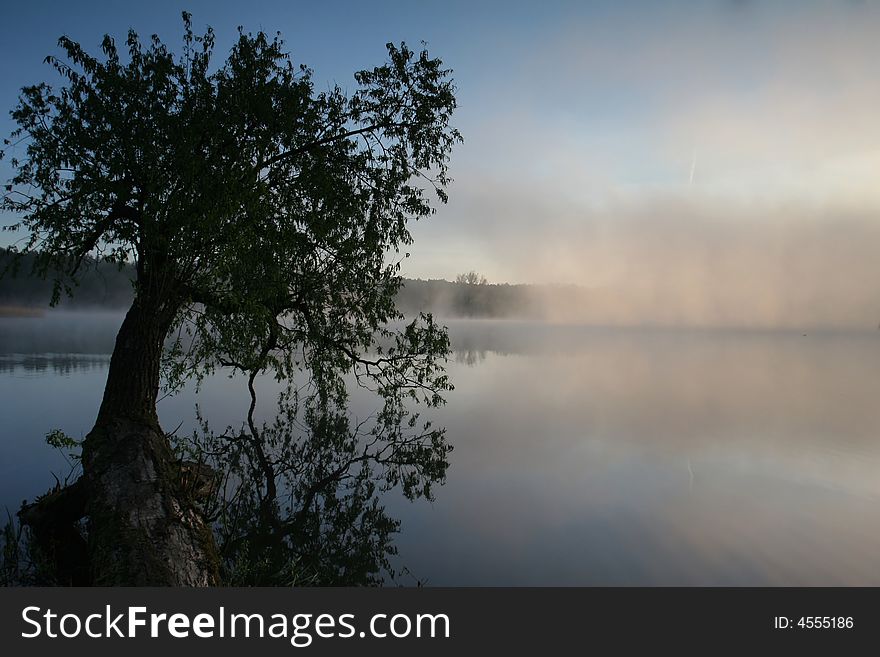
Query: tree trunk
(144, 526)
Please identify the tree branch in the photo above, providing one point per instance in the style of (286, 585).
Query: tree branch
(321, 142)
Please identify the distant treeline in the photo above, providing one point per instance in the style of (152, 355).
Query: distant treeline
(460, 299)
(107, 286)
(100, 285)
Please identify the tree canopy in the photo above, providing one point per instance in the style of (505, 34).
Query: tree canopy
(239, 189)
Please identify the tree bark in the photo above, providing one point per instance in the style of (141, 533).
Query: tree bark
(145, 528)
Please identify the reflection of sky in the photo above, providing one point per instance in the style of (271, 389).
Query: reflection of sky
(683, 470)
(583, 122)
(593, 457)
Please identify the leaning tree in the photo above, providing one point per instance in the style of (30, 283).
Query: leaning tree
(264, 219)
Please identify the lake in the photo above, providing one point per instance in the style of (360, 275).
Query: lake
(583, 456)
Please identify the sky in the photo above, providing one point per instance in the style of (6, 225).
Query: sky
(710, 162)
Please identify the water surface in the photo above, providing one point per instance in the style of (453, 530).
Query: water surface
(582, 455)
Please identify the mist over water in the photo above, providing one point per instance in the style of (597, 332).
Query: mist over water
(61, 332)
(582, 455)
(704, 164)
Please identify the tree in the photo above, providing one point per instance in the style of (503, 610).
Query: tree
(470, 294)
(259, 214)
(471, 278)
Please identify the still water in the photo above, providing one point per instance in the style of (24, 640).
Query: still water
(582, 456)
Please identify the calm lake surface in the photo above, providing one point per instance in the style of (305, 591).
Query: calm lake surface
(582, 456)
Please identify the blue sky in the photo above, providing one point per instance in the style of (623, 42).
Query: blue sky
(661, 147)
